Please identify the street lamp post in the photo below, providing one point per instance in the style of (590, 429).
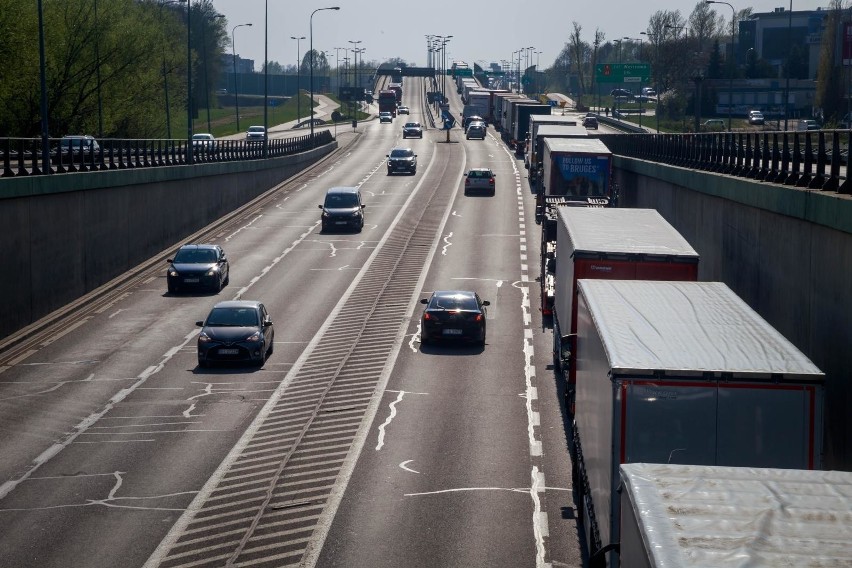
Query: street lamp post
(298, 79)
(45, 148)
(189, 155)
(789, 49)
(355, 52)
(731, 62)
(236, 84)
(311, 34)
(204, 57)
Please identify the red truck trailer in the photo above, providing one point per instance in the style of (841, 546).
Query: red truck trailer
(387, 101)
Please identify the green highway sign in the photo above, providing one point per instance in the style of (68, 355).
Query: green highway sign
(623, 72)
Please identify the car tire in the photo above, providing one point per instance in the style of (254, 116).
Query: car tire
(227, 278)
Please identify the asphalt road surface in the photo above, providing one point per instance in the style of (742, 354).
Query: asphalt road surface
(353, 445)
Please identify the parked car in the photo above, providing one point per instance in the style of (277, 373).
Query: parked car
(236, 331)
(256, 134)
(76, 148)
(713, 125)
(198, 267)
(402, 160)
(453, 314)
(385, 116)
(476, 129)
(203, 142)
(412, 129)
(756, 117)
(590, 122)
(479, 179)
(403, 110)
(342, 209)
(807, 124)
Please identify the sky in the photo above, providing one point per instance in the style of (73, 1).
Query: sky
(482, 31)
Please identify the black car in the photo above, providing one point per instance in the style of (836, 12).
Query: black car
(453, 314)
(78, 148)
(412, 129)
(235, 331)
(342, 209)
(590, 122)
(402, 160)
(198, 267)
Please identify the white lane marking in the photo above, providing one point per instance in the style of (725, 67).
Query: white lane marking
(241, 229)
(115, 313)
(402, 465)
(415, 338)
(456, 214)
(525, 490)
(447, 243)
(386, 423)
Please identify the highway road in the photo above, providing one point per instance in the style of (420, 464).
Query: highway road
(353, 445)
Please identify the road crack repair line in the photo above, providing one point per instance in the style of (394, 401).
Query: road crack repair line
(391, 416)
(447, 243)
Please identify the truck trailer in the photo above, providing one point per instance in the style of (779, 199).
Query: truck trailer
(537, 120)
(535, 146)
(501, 107)
(521, 123)
(603, 243)
(698, 515)
(387, 101)
(682, 373)
(476, 105)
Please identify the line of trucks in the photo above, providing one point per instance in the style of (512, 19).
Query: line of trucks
(390, 98)
(661, 369)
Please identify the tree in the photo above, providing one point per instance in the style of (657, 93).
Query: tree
(578, 49)
(829, 90)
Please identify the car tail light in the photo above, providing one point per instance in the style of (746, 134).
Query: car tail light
(491, 181)
(478, 317)
(426, 316)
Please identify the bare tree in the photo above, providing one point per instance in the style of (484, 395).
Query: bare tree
(577, 49)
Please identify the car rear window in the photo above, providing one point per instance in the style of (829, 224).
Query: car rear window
(454, 302)
(479, 174)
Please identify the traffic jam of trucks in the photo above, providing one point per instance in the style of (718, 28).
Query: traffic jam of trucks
(660, 369)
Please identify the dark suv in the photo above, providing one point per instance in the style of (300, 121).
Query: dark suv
(342, 209)
(402, 160)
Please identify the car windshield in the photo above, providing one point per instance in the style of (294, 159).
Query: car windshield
(453, 302)
(232, 317)
(401, 153)
(256, 129)
(202, 137)
(75, 142)
(339, 200)
(195, 256)
(412, 125)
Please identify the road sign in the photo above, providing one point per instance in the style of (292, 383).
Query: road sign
(623, 72)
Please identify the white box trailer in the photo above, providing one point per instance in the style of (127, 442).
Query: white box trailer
(538, 120)
(717, 517)
(682, 373)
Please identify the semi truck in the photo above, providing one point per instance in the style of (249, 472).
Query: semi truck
(535, 143)
(501, 107)
(476, 105)
(574, 171)
(682, 373)
(696, 515)
(603, 243)
(387, 101)
(397, 89)
(521, 123)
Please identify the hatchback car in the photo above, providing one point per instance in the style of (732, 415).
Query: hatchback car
(236, 331)
(476, 129)
(756, 117)
(481, 179)
(385, 117)
(402, 160)
(403, 110)
(453, 314)
(342, 209)
(203, 142)
(412, 130)
(590, 122)
(714, 124)
(256, 134)
(76, 148)
(807, 124)
(198, 267)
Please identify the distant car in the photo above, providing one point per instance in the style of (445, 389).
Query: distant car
(402, 160)
(713, 125)
(198, 267)
(221, 91)
(385, 117)
(479, 179)
(402, 110)
(649, 92)
(453, 314)
(236, 331)
(342, 209)
(203, 142)
(756, 117)
(807, 124)
(256, 134)
(412, 130)
(623, 93)
(590, 122)
(76, 148)
(476, 129)
(472, 118)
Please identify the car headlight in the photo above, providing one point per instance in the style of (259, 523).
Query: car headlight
(212, 271)
(254, 336)
(203, 337)
(173, 272)
(325, 214)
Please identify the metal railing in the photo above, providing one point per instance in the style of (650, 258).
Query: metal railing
(813, 160)
(23, 156)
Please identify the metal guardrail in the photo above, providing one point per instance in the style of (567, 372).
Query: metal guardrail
(813, 160)
(23, 156)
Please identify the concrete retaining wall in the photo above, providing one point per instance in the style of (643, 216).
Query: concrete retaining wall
(785, 251)
(64, 235)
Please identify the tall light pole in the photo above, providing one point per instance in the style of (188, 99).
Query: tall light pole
(789, 49)
(189, 155)
(730, 63)
(311, 34)
(236, 83)
(337, 63)
(355, 51)
(298, 79)
(45, 148)
(204, 62)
